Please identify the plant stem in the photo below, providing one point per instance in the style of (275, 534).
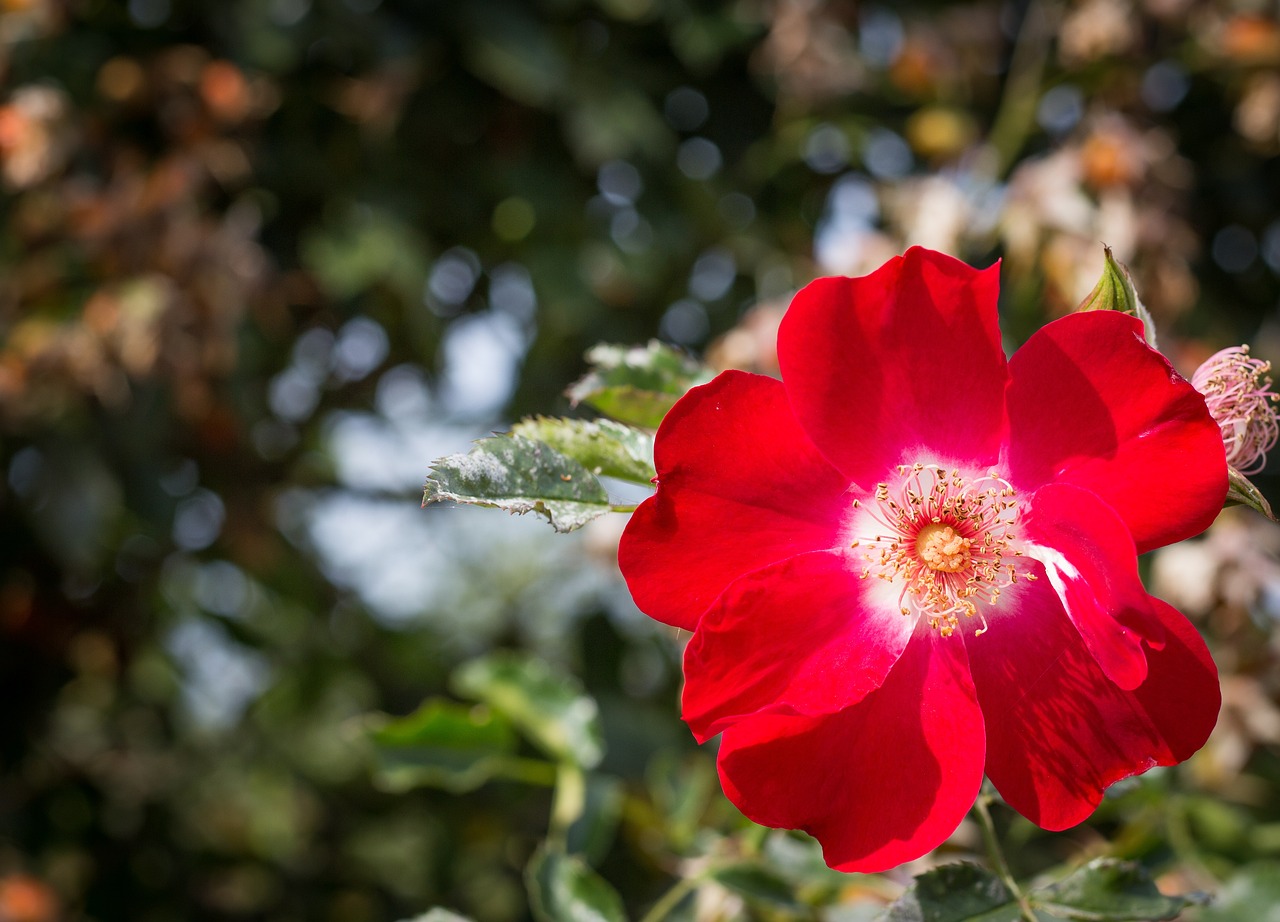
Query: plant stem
(1017, 111)
(566, 803)
(671, 899)
(624, 507)
(995, 854)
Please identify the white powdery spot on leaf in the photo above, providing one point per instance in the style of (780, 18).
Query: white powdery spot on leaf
(519, 475)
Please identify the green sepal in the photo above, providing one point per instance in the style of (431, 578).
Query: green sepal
(1115, 292)
(1242, 492)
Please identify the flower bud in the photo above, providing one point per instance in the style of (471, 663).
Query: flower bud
(1115, 292)
(1237, 390)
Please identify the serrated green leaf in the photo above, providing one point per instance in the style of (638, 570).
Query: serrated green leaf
(1252, 894)
(1109, 890)
(956, 893)
(758, 885)
(519, 475)
(1242, 492)
(602, 446)
(562, 888)
(442, 744)
(548, 707)
(637, 385)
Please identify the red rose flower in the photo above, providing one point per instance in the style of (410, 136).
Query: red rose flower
(910, 562)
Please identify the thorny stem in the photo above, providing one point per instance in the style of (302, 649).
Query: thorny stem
(995, 854)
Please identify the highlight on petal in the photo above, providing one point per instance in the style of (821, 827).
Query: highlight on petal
(740, 487)
(1091, 404)
(1059, 731)
(1089, 560)
(906, 357)
(805, 636)
(879, 783)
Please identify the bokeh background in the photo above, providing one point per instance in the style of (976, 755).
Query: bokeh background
(262, 261)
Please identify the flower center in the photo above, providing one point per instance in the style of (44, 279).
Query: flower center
(946, 537)
(941, 548)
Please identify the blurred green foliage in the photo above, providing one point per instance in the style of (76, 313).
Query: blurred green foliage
(264, 259)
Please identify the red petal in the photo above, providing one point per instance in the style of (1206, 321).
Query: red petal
(1089, 559)
(1059, 731)
(740, 487)
(877, 784)
(1091, 404)
(801, 637)
(904, 359)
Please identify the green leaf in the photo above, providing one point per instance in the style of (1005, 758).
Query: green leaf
(519, 475)
(441, 744)
(758, 885)
(1252, 894)
(438, 915)
(562, 888)
(1242, 492)
(1115, 292)
(593, 832)
(797, 859)
(680, 787)
(1109, 890)
(956, 893)
(602, 446)
(514, 53)
(548, 707)
(637, 385)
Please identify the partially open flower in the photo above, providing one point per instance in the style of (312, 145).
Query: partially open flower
(1237, 389)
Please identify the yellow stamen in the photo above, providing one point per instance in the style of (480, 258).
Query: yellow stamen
(942, 549)
(947, 538)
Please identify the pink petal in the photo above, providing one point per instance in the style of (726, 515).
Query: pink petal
(1091, 404)
(1059, 731)
(877, 784)
(1089, 560)
(905, 359)
(805, 636)
(740, 487)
